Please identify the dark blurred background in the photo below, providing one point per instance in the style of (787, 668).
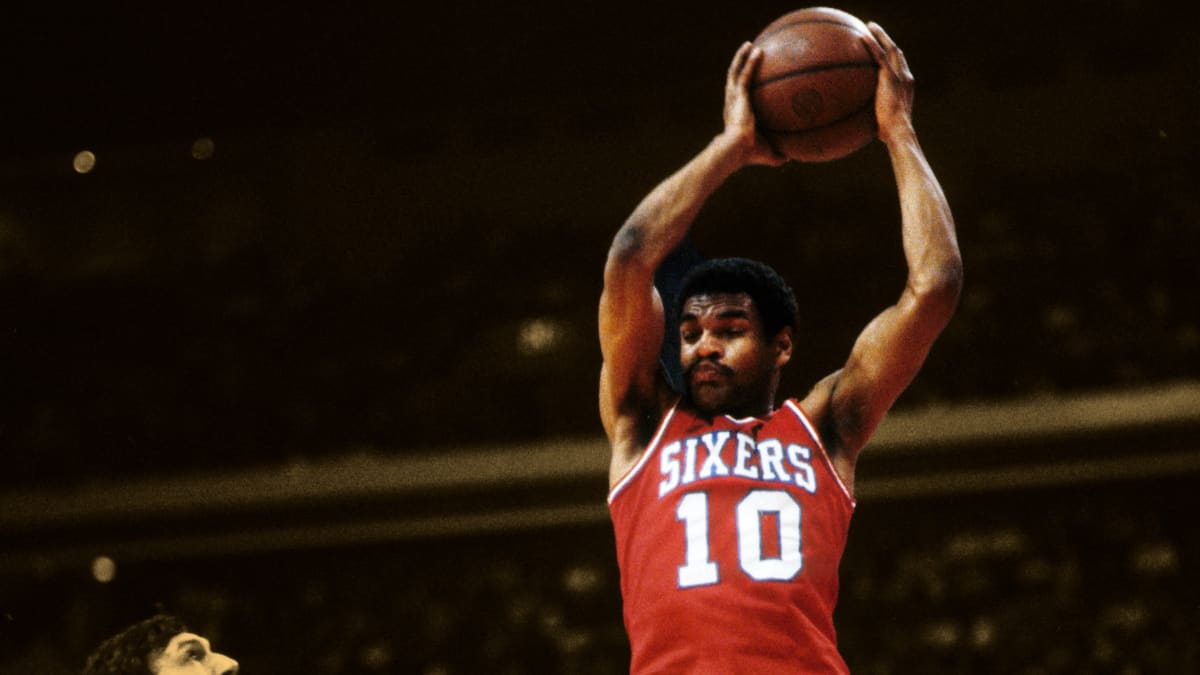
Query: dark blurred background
(297, 328)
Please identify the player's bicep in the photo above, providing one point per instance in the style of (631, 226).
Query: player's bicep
(631, 334)
(886, 357)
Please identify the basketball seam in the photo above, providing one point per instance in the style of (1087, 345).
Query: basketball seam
(839, 120)
(814, 69)
(802, 22)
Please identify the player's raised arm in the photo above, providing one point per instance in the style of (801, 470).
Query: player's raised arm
(891, 349)
(631, 313)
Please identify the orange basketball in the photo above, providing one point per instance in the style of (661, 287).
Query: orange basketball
(814, 92)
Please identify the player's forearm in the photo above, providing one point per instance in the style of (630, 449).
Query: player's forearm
(930, 243)
(664, 217)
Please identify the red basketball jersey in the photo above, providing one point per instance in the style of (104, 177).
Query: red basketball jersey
(729, 534)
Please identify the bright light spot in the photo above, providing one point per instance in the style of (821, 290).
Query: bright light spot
(203, 148)
(84, 161)
(104, 569)
(582, 579)
(538, 336)
(1156, 559)
(940, 634)
(983, 633)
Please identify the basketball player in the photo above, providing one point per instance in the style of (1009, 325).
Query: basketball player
(731, 513)
(160, 645)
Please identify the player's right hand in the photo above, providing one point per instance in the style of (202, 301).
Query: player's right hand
(740, 127)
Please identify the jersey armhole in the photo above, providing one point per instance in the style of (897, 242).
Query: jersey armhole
(794, 406)
(650, 449)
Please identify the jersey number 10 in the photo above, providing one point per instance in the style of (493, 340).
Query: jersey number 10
(699, 570)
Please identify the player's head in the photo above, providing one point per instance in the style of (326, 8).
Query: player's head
(160, 645)
(736, 319)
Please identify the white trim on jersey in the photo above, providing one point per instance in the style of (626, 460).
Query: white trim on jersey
(812, 430)
(646, 454)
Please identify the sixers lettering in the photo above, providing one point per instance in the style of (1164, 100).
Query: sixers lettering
(730, 514)
(769, 453)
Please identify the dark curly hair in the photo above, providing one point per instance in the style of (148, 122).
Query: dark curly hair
(772, 296)
(132, 651)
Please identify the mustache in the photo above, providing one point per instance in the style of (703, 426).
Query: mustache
(720, 367)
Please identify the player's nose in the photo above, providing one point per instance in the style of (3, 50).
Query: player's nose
(708, 346)
(223, 665)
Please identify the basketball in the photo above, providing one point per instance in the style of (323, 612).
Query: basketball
(814, 91)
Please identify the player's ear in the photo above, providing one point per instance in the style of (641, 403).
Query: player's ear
(783, 346)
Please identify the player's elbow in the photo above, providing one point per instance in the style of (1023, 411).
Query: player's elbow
(945, 280)
(937, 290)
(628, 253)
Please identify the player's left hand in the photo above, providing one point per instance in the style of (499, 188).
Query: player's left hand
(894, 94)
